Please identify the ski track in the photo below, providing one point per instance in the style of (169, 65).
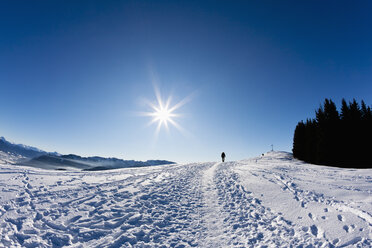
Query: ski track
(194, 205)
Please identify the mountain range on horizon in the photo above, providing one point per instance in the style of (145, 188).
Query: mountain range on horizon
(20, 154)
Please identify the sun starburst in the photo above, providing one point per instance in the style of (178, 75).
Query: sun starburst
(163, 113)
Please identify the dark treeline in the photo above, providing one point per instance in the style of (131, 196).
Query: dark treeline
(336, 139)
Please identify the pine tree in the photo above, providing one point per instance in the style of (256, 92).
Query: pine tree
(311, 141)
(344, 110)
(336, 139)
(299, 141)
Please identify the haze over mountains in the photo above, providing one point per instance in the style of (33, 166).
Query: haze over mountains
(20, 154)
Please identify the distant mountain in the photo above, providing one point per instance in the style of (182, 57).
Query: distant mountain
(19, 154)
(73, 161)
(54, 163)
(19, 150)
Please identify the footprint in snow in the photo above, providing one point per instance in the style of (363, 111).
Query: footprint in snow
(314, 230)
(340, 217)
(335, 241)
(311, 216)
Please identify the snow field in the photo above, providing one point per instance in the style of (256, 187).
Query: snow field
(270, 201)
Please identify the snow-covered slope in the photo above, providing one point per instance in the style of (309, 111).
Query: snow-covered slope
(270, 201)
(12, 153)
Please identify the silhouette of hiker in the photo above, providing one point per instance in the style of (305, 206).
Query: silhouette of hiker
(223, 156)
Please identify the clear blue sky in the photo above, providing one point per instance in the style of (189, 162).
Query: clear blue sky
(74, 74)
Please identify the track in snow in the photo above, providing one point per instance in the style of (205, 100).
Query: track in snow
(195, 205)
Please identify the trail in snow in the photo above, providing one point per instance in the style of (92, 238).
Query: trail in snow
(214, 233)
(276, 201)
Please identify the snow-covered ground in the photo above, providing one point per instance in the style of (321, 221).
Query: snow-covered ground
(269, 201)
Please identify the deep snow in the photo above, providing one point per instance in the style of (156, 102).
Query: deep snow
(269, 201)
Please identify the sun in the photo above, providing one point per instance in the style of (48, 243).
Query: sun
(164, 113)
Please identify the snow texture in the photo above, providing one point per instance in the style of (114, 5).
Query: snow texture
(269, 201)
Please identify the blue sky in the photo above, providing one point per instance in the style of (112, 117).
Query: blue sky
(75, 74)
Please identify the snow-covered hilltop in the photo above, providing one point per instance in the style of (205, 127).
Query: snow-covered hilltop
(269, 201)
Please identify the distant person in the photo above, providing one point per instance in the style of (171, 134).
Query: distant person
(223, 155)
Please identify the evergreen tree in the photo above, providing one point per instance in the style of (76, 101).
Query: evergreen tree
(344, 110)
(336, 139)
(311, 141)
(299, 141)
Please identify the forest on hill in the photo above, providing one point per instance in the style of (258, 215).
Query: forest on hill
(336, 139)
